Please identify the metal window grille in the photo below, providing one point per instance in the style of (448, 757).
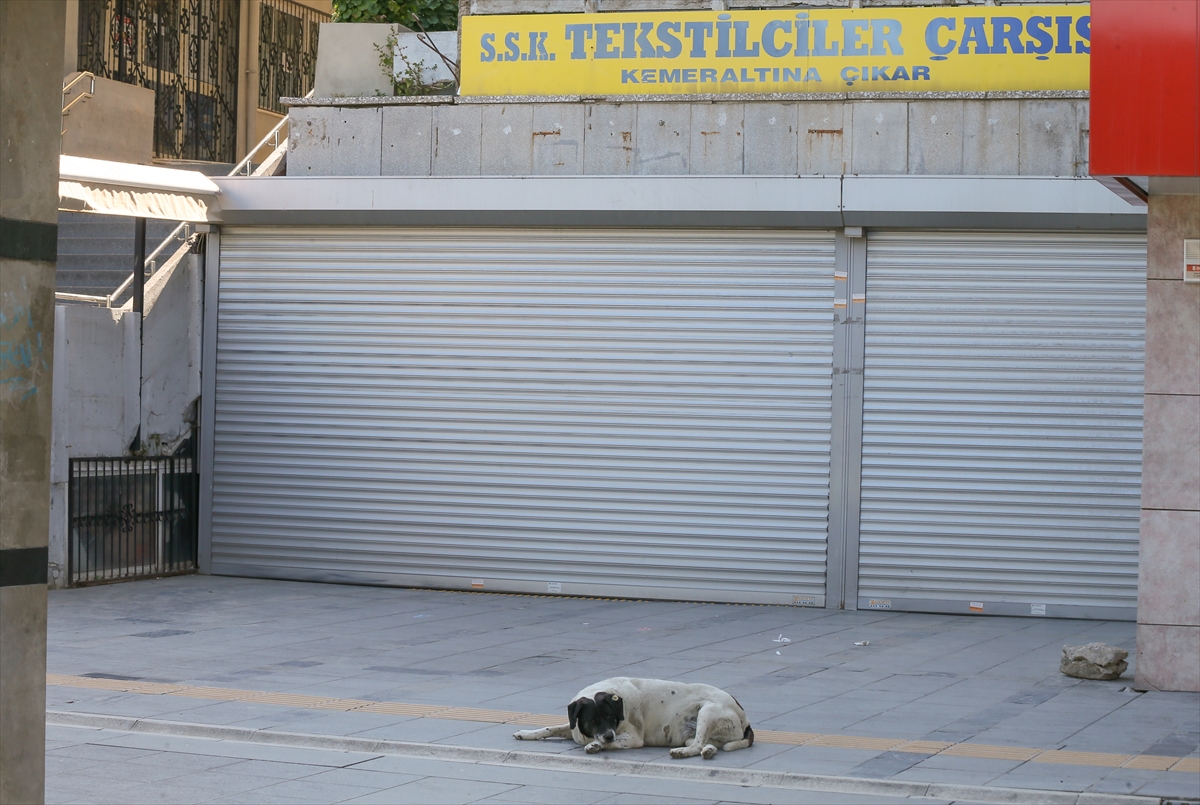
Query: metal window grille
(184, 50)
(131, 518)
(287, 52)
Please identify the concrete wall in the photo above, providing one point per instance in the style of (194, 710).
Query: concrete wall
(95, 403)
(97, 409)
(116, 123)
(1033, 137)
(348, 62)
(1168, 632)
(31, 52)
(171, 354)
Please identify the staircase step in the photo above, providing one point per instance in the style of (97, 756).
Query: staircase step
(95, 252)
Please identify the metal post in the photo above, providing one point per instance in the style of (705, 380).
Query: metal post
(158, 564)
(122, 60)
(845, 468)
(139, 264)
(139, 305)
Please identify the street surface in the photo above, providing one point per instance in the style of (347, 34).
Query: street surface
(205, 689)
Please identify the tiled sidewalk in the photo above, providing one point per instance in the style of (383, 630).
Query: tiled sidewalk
(445, 713)
(110, 766)
(944, 680)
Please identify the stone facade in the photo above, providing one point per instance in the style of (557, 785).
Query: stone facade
(1168, 634)
(939, 137)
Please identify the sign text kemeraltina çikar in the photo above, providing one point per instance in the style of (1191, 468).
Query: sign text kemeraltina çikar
(965, 49)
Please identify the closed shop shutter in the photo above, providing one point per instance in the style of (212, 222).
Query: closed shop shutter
(630, 413)
(1002, 422)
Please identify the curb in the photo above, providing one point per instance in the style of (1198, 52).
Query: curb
(601, 765)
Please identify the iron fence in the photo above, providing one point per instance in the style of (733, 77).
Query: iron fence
(287, 52)
(131, 518)
(184, 50)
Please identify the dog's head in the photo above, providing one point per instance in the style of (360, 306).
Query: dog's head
(598, 717)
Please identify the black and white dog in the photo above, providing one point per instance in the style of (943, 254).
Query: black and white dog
(623, 713)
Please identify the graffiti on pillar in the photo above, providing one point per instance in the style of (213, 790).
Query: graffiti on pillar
(23, 347)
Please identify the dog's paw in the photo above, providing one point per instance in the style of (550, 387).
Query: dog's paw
(593, 747)
(679, 752)
(519, 735)
(709, 752)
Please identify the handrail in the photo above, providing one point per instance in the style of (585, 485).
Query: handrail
(88, 93)
(85, 74)
(108, 300)
(271, 137)
(78, 297)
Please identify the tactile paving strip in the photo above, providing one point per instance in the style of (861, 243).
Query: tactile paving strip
(1018, 753)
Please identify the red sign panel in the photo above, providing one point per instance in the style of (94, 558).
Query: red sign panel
(1145, 88)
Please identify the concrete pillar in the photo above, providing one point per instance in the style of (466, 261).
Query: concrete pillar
(250, 20)
(71, 39)
(31, 54)
(1168, 631)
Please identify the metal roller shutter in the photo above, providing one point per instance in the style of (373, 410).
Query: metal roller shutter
(640, 413)
(1002, 422)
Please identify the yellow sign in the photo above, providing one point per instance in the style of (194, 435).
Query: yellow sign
(962, 49)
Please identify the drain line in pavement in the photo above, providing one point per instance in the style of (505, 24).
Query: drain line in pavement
(602, 764)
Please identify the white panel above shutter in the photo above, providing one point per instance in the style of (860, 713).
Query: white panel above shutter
(1002, 422)
(620, 412)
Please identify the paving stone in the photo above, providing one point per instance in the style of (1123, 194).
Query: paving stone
(319, 791)
(970, 764)
(102, 753)
(1173, 786)
(536, 794)
(885, 765)
(424, 730)
(270, 769)
(259, 797)
(991, 680)
(434, 791)
(1056, 777)
(245, 751)
(957, 776)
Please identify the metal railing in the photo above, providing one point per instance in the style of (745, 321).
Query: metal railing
(186, 51)
(272, 139)
(131, 518)
(287, 51)
(82, 96)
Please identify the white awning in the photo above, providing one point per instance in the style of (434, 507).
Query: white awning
(138, 191)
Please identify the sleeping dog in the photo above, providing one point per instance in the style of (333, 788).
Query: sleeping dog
(624, 713)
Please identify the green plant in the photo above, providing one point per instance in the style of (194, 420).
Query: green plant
(428, 15)
(407, 78)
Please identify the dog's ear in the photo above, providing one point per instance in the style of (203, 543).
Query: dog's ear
(611, 703)
(573, 711)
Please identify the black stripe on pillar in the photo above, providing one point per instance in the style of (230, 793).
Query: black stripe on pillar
(20, 566)
(28, 240)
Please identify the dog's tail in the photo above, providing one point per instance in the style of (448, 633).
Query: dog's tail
(746, 742)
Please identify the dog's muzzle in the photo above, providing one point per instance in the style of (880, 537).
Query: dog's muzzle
(608, 737)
